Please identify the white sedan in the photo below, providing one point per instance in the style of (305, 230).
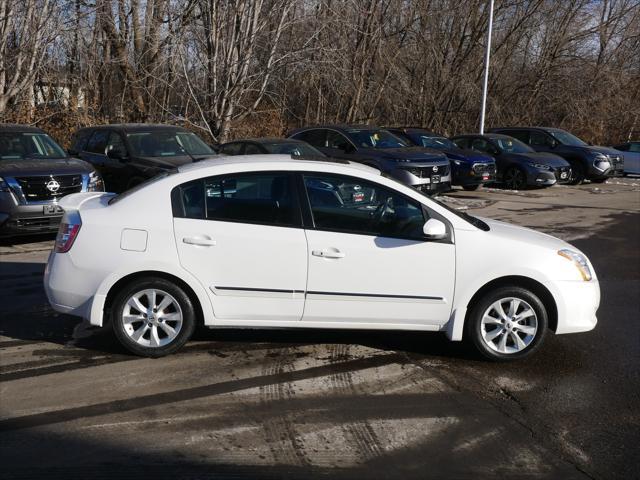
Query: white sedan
(269, 241)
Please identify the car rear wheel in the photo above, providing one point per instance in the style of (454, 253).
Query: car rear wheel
(507, 324)
(471, 188)
(152, 317)
(515, 179)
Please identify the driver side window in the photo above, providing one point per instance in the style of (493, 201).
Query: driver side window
(350, 205)
(337, 141)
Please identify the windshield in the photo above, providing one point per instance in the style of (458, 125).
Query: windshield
(565, 138)
(18, 146)
(167, 143)
(439, 143)
(294, 148)
(370, 138)
(511, 145)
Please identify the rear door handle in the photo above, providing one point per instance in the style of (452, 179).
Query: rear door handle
(200, 241)
(328, 253)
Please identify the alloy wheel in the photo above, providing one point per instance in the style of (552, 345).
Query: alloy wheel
(152, 318)
(514, 179)
(509, 325)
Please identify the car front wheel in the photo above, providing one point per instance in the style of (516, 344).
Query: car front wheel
(508, 323)
(515, 179)
(153, 317)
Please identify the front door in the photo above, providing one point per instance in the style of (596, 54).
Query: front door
(241, 236)
(368, 259)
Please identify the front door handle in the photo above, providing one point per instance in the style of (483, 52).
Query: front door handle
(200, 241)
(328, 253)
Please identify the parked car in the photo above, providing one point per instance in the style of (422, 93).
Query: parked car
(469, 169)
(282, 146)
(631, 154)
(424, 169)
(518, 165)
(128, 154)
(277, 242)
(587, 161)
(35, 172)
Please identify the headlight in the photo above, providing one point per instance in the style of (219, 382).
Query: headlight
(4, 186)
(95, 183)
(601, 162)
(580, 261)
(539, 166)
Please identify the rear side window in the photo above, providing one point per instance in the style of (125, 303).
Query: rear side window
(258, 198)
(521, 135)
(313, 137)
(98, 142)
(231, 148)
(461, 142)
(251, 149)
(79, 140)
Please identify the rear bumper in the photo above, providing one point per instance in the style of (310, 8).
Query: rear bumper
(66, 292)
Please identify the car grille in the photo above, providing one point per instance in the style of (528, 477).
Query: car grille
(483, 168)
(563, 174)
(427, 172)
(43, 188)
(615, 159)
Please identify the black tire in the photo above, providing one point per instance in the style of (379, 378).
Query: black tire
(471, 188)
(599, 180)
(166, 345)
(474, 326)
(515, 178)
(577, 173)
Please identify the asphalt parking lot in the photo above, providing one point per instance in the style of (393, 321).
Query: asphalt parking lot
(335, 404)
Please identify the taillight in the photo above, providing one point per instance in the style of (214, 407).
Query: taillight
(66, 236)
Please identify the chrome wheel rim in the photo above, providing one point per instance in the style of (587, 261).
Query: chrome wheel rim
(152, 318)
(509, 325)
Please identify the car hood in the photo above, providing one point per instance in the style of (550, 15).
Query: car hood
(603, 150)
(469, 156)
(525, 235)
(417, 154)
(43, 166)
(544, 158)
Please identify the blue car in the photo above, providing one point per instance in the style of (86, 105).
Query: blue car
(470, 169)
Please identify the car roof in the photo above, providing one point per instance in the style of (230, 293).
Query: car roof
(415, 129)
(136, 127)
(17, 128)
(524, 128)
(486, 135)
(339, 126)
(277, 160)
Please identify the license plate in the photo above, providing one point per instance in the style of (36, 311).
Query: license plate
(52, 210)
(435, 179)
(358, 197)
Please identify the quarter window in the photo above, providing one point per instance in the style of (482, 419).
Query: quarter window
(350, 205)
(231, 149)
(262, 198)
(538, 139)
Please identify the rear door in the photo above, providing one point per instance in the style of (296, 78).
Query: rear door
(368, 259)
(241, 235)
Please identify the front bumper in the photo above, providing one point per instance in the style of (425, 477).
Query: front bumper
(425, 177)
(577, 303)
(615, 169)
(27, 219)
(473, 175)
(541, 178)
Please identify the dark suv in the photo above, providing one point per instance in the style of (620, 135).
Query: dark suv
(424, 169)
(34, 173)
(470, 169)
(519, 166)
(587, 161)
(128, 154)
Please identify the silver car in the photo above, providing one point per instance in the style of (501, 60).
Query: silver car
(631, 153)
(35, 172)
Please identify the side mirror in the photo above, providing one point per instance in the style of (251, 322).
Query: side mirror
(553, 143)
(434, 229)
(116, 154)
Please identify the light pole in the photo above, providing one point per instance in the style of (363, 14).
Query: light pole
(485, 83)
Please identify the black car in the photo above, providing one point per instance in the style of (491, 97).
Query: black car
(256, 146)
(35, 172)
(128, 154)
(470, 169)
(518, 165)
(424, 169)
(587, 161)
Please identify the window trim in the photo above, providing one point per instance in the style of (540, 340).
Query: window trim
(309, 222)
(295, 198)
